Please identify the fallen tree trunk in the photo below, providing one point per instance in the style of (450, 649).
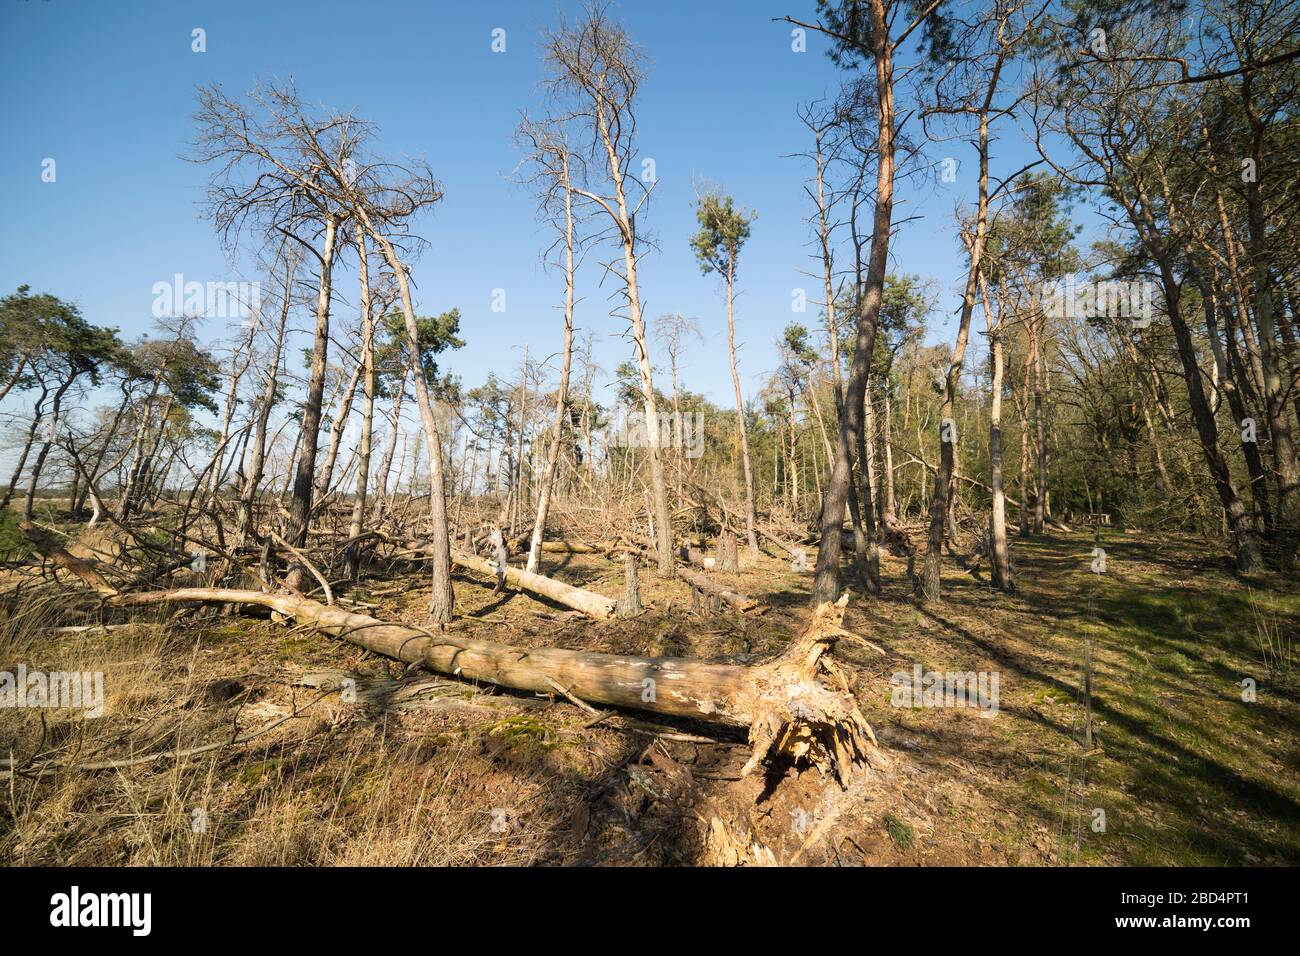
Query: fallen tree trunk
(787, 707)
(588, 602)
(563, 547)
(87, 571)
(796, 551)
(702, 582)
(1058, 524)
(693, 555)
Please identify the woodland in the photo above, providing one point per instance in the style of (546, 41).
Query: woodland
(351, 608)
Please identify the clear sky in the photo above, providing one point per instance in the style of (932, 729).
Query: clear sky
(106, 89)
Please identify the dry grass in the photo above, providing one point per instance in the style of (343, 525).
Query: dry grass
(331, 785)
(469, 776)
(1275, 642)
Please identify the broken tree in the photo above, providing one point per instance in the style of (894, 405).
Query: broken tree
(588, 602)
(789, 708)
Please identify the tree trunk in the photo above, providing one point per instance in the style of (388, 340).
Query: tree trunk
(386, 467)
(304, 477)
(37, 415)
(727, 557)
(999, 554)
(368, 407)
(630, 606)
(943, 479)
(325, 473)
(562, 395)
(1022, 407)
(442, 597)
(793, 463)
(866, 534)
(588, 602)
(627, 234)
(751, 515)
(257, 460)
(55, 407)
(137, 446)
(706, 585)
(1247, 541)
(1040, 435)
(789, 710)
(827, 583)
(1276, 391)
(890, 505)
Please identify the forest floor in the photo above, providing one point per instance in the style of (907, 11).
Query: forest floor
(424, 769)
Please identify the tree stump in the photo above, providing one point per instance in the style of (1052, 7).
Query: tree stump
(630, 606)
(728, 555)
(497, 543)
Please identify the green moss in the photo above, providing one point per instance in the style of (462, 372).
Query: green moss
(255, 773)
(521, 732)
(298, 646)
(1188, 773)
(211, 637)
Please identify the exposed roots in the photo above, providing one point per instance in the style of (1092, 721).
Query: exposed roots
(797, 717)
(797, 708)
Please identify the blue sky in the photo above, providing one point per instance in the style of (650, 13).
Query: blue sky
(107, 91)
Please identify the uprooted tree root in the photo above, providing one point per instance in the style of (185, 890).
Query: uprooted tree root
(796, 707)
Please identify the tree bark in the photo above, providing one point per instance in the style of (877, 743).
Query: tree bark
(386, 467)
(304, 477)
(325, 473)
(943, 480)
(55, 408)
(751, 515)
(368, 406)
(827, 583)
(257, 461)
(786, 704)
(630, 606)
(562, 395)
(442, 597)
(705, 584)
(627, 235)
(999, 554)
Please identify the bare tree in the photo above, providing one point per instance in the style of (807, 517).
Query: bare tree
(271, 160)
(967, 88)
(265, 401)
(596, 70)
(675, 333)
(553, 161)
